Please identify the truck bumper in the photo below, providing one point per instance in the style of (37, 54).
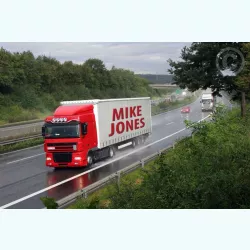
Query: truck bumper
(77, 160)
(207, 109)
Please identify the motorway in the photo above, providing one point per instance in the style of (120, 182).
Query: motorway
(24, 172)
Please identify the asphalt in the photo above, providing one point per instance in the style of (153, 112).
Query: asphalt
(24, 172)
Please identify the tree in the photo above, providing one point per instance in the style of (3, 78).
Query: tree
(199, 69)
(243, 79)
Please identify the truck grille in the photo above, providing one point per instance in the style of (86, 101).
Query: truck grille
(61, 147)
(62, 157)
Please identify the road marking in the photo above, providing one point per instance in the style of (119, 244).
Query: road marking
(25, 158)
(169, 123)
(91, 170)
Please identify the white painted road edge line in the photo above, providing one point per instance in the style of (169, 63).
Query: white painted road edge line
(91, 170)
(24, 158)
(169, 123)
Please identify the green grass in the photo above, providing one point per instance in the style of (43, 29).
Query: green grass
(101, 197)
(21, 145)
(164, 107)
(23, 119)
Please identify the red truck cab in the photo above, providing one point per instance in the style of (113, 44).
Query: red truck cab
(69, 134)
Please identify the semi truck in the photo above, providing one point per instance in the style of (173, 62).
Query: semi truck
(207, 102)
(82, 132)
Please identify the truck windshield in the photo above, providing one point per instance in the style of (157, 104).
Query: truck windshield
(62, 130)
(206, 101)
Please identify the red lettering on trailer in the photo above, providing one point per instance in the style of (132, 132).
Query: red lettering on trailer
(118, 115)
(132, 112)
(112, 129)
(120, 127)
(138, 110)
(127, 125)
(137, 123)
(142, 122)
(127, 112)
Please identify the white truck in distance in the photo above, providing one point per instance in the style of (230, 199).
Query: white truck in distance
(207, 102)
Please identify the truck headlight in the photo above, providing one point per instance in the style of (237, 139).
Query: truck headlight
(78, 158)
(48, 159)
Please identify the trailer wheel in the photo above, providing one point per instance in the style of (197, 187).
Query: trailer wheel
(111, 152)
(142, 140)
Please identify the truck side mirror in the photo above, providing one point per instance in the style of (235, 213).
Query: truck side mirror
(84, 128)
(43, 131)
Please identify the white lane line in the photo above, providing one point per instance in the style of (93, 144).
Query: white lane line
(91, 170)
(25, 158)
(169, 123)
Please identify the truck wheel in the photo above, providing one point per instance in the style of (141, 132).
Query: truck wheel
(111, 152)
(90, 160)
(142, 140)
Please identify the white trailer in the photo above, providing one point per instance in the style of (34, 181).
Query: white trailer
(207, 102)
(119, 120)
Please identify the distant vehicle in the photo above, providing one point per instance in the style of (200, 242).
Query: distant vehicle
(185, 110)
(207, 102)
(80, 133)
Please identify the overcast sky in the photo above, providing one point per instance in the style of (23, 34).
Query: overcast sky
(139, 57)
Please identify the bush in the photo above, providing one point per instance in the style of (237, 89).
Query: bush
(210, 170)
(16, 114)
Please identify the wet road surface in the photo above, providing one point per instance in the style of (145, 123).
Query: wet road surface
(24, 172)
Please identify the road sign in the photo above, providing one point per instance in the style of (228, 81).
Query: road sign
(178, 91)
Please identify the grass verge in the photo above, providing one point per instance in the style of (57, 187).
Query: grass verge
(21, 145)
(17, 136)
(164, 107)
(101, 198)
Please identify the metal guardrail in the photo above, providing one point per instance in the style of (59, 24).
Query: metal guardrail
(17, 124)
(83, 193)
(9, 142)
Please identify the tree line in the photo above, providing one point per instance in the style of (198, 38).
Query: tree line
(157, 78)
(30, 86)
(204, 65)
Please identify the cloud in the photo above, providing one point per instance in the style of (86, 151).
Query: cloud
(138, 57)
